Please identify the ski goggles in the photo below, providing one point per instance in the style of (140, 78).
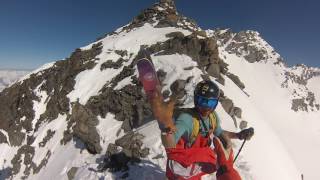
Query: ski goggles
(204, 102)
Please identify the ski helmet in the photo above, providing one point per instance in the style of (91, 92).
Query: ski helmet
(206, 90)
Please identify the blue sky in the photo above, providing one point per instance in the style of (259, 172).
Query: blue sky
(34, 32)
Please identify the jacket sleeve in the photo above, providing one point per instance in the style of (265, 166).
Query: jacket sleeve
(184, 126)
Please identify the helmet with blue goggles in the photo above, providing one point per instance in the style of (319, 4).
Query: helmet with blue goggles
(203, 102)
(206, 94)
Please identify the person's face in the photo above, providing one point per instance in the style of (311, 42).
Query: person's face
(204, 112)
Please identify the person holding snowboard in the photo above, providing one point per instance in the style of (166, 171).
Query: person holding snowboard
(195, 142)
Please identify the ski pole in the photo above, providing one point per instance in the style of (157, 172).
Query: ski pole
(239, 150)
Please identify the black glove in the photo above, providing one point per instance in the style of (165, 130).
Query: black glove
(246, 134)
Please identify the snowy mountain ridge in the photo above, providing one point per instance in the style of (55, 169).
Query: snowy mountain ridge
(86, 117)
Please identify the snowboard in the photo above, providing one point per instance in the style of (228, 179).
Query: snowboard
(147, 76)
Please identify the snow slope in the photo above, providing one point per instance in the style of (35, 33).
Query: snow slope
(296, 132)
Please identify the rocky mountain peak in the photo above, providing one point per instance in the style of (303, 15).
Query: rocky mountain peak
(248, 44)
(162, 14)
(306, 72)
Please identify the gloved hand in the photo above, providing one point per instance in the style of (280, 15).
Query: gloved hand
(163, 111)
(246, 134)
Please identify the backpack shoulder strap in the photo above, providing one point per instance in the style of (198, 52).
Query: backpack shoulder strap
(213, 120)
(196, 125)
(195, 130)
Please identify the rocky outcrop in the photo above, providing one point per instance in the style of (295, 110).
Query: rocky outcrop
(222, 35)
(164, 14)
(305, 103)
(245, 43)
(16, 102)
(48, 136)
(128, 104)
(25, 155)
(202, 50)
(72, 172)
(294, 78)
(300, 74)
(85, 127)
(131, 151)
(229, 107)
(111, 64)
(236, 80)
(3, 138)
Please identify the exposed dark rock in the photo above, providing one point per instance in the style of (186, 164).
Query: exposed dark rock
(128, 104)
(299, 104)
(49, 135)
(177, 34)
(236, 80)
(302, 78)
(161, 75)
(178, 88)
(122, 53)
(115, 162)
(78, 62)
(221, 80)
(16, 138)
(16, 102)
(188, 68)
(237, 112)
(3, 138)
(85, 127)
(165, 14)
(28, 152)
(126, 72)
(43, 163)
(111, 64)
(305, 103)
(243, 125)
(131, 151)
(227, 105)
(112, 149)
(241, 44)
(166, 94)
(201, 33)
(72, 172)
(214, 70)
(68, 133)
(203, 51)
(223, 35)
(223, 67)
